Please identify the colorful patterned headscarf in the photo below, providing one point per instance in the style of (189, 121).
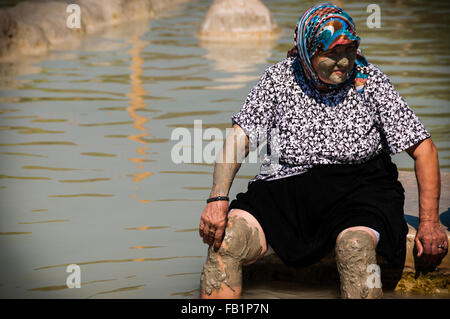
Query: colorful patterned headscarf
(319, 29)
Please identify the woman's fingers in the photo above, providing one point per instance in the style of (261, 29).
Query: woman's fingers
(434, 256)
(445, 244)
(218, 238)
(425, 259)
(442, 246)
(201, 228)
(205, 233)
(439, 247)
(423, 250)
(210, 235)
(419, 247)
(213, 222)
(432, 246)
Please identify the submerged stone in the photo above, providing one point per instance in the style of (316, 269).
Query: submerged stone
(237, 20)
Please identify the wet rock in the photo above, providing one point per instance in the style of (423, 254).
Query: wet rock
(238, 20)
(33, 28)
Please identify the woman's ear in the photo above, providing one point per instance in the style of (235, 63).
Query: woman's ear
(292, 52)
(314, 61)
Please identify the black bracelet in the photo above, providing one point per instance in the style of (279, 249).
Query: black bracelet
(213, 199)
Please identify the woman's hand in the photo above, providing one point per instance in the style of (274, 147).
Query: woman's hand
(431, 244)
(228, 162)
(213, 222)
(431, 240)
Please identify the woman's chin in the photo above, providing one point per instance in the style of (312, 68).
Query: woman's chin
(337, 78)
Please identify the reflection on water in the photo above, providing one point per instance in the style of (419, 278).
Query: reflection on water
(45, 221)
(23, 154)
(189, 293)
(145, 247)
(187, 230)
(14, 233)
(82, 195)
(137, 102)
(24, 177)
(88, 180)
(237, 58)
(50, 168)
(98, 154)
(85, 144)
(147, 227)
(60, 287)
(117, 290)
(38, 143)
(118, 261)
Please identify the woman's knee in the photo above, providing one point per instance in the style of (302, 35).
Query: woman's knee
(369, 231)
(354, 241)
(241, 245)
(243, 227)
(357, 264)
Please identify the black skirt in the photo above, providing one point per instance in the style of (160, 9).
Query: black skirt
(302, 215)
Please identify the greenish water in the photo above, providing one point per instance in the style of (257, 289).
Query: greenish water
(87, 177)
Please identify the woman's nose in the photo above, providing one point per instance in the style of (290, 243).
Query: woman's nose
(343, 61)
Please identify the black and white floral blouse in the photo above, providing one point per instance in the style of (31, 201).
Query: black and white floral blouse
(305, 128)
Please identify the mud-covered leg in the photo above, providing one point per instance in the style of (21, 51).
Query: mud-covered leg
(222, 272)
(357, 265)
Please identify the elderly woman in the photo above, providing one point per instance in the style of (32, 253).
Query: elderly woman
(338, 119)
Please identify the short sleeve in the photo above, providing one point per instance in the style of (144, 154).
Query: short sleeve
(398, 123)
(256, 115)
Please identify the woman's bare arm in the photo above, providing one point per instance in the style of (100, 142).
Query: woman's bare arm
(228, 162)
(429, 235)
